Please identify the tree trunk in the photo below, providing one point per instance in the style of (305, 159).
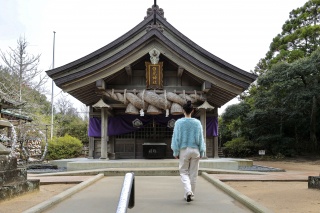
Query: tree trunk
(313, 124)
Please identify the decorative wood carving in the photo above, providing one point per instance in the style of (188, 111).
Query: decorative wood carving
(155, 26)
(154, 9)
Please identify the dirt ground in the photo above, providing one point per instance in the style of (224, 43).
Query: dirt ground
(26, 201)
(282, 197)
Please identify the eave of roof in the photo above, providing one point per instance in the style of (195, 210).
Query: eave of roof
(147, 37)
(88, 67)
(96, 54)
(141, 27)
(204, 52)
(16, 115)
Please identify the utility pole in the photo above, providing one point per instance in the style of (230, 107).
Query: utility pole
(54, 37)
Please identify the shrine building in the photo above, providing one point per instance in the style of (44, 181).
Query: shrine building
(136, 86)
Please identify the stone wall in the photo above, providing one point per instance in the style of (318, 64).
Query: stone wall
(13, 180)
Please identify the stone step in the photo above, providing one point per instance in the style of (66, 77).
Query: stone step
(89, 164)
(13, 189)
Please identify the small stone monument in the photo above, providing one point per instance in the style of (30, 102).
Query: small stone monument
(314, 182)
(13, 180)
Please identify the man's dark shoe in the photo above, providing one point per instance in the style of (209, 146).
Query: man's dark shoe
(189, 196)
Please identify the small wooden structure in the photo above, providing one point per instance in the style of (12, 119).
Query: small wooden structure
(9, 119)
(149, 71)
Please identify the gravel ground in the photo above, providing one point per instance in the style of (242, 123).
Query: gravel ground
(39, 171)
(258, 168)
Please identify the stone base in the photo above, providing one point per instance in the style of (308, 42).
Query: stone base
(314, 182)
(111, 156)
(77, 164)
(14, 189)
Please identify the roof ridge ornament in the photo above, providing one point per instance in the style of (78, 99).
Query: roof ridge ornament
(154, 10)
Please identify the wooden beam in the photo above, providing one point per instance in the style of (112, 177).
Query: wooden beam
(100, 84)
(206, 86)
(128, 70)
(179, 74)
(158, 91)
(180, 71)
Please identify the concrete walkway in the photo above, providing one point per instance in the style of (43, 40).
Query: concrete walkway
(153, 194)
(100, 193)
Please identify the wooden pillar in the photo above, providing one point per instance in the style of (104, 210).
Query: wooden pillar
(104, 134)
(91, 139)
(215, 138)
(91, 147)
(203, 120)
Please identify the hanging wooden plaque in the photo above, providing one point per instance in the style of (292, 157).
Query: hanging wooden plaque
(154, 75)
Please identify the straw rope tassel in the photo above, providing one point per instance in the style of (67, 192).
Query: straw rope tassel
(141, 110)
(124, 96)
(166, 102)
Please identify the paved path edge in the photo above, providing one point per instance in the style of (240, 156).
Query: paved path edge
(248, 202)
(60, 197)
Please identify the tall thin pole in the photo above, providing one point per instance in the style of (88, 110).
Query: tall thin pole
(54, 38)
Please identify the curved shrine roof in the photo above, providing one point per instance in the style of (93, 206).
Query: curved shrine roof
(78, 77)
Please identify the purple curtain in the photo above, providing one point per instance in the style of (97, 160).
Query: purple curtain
(212, 126)
(94, 127)
(123, 124)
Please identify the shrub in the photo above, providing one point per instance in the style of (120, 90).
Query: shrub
(64, 147)
(239, 147)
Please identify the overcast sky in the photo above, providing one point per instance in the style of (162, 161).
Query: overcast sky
(237, 31)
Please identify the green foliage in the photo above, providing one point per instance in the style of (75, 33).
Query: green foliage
(300, 37)
(69, 122)
(64, 147)
(73, 126)
(233, 122)
(290, 92)
(284, 104)
(240, 147)
(281, 115)
(276, 144)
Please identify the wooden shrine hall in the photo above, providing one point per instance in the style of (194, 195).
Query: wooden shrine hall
(136, 86)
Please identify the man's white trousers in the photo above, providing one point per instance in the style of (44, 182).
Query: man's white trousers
(188, 168)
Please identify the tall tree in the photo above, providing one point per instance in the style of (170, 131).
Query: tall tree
(23, 68)
(286, 104)
(300, 36)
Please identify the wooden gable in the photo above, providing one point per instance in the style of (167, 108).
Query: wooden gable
(121, 65)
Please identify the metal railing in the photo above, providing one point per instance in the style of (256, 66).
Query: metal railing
(126, 199)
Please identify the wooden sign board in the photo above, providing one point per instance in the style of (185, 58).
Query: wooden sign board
(154, 75)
